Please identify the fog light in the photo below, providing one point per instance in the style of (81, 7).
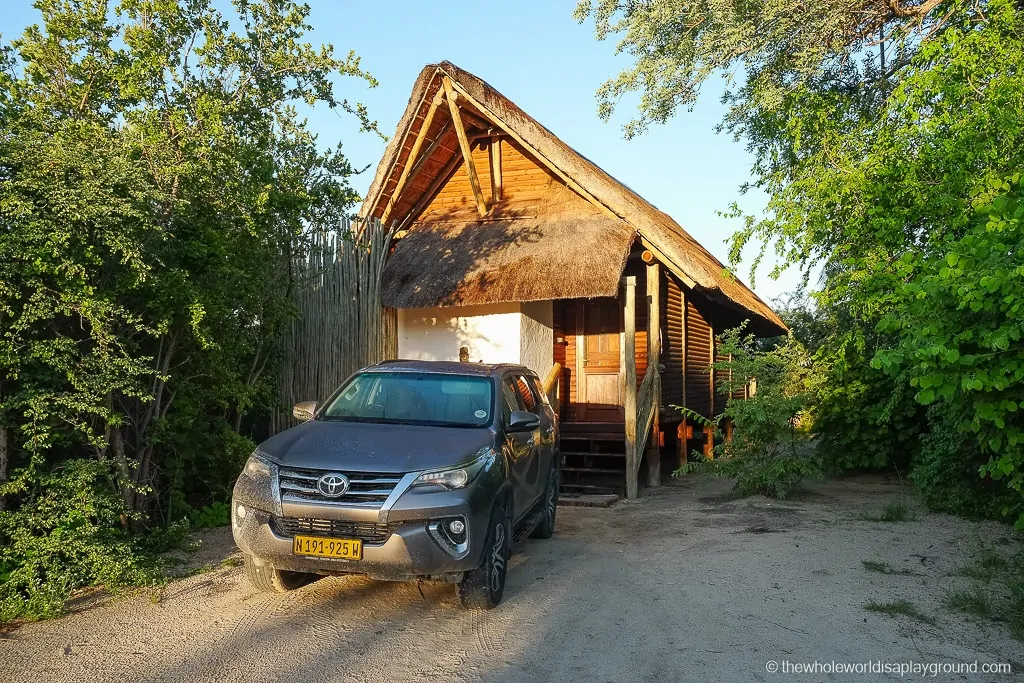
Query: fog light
(456, 526)
(240, 512)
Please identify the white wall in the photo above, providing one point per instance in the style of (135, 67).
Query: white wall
(490, 331)
(537, 336)
(494, 333)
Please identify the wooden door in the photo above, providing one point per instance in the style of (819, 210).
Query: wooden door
(600, 360)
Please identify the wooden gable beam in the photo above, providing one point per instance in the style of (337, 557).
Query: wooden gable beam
(430, 192)
(494, 156)
(427, 153)
(411, 161)
(678, 272)
(467, 152)
(576, 187)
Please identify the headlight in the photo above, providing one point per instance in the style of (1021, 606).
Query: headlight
(257, 487)
(257, 466)
(452, 479)
(456, 477)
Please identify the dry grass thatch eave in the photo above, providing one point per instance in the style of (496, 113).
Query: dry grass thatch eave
(547, 251)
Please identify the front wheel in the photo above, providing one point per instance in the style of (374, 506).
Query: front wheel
(266, 578)
(546, 528)
(483, 587)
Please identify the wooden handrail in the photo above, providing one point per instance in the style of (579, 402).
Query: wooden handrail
(646, 402)
(550, 385)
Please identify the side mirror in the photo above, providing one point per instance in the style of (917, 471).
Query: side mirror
(522, 421)
(304, 411)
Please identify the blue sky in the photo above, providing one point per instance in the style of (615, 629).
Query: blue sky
(535, 53)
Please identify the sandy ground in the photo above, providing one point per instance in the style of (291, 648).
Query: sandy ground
(686, 584)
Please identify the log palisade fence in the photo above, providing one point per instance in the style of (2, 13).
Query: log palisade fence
(341, 325)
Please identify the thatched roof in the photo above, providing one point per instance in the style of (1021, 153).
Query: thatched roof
(680, 253)
(553, 249)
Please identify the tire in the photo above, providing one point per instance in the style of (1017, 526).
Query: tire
(546, 528)
(483, 587)
(265, 578)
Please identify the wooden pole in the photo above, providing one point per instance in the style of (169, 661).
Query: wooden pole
(684, 431)
(429, 193)
(629, 377)
(566, 178)
(411, 161)
(709, 432)
(494, 149)
(467, 152)
(653, 454)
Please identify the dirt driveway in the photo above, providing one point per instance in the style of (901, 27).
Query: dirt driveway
(685, 584)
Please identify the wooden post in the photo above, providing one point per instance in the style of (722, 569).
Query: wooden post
(467, 152)
(411, 161)
(495, 157)
(684, 454)
(681, 436)
(653, 454)
(709, 442)
(728, 431)
(629, 377)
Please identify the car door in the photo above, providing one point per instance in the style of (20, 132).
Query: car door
(540, 438)
(520, 451)
(548, 444)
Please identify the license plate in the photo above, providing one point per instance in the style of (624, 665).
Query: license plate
(341, 548)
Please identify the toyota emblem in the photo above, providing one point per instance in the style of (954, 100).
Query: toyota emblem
(332, 485)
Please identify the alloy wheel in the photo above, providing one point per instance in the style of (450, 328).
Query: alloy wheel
(498, 557)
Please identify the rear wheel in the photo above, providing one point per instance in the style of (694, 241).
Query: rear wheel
(264, 577)
(546, 528)
(483, 587)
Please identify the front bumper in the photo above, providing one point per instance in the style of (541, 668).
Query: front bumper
(411, 550)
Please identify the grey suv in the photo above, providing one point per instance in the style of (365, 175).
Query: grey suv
(411, 470)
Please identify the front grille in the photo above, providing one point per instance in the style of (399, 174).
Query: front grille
(368, 532)
(366, 489)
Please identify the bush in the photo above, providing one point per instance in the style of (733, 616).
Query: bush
(769, 453)
(772, 475)
(212, 516)
(68, 533)
(946, 471)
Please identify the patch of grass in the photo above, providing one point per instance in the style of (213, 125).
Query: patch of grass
(897, 511)
(987, 565)
(885, 568)
(899, 608)
(973, 600)
(232, 562)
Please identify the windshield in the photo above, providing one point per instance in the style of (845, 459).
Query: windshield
(413, 398)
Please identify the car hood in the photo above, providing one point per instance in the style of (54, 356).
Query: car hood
(369, 447)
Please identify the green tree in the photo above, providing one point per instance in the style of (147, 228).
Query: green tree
(879, 131)
(156, 181)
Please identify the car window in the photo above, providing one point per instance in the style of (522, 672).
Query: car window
(510, 399)
(527, 395)
(413, 398)
(538, 389)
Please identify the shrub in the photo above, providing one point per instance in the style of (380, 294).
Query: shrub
(769, 453)
(68, 533)
(768, 475)
(946, 471)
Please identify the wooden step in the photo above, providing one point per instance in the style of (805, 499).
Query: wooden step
(591, 454)
(593, 427)
(589, 487)
(594, 470)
